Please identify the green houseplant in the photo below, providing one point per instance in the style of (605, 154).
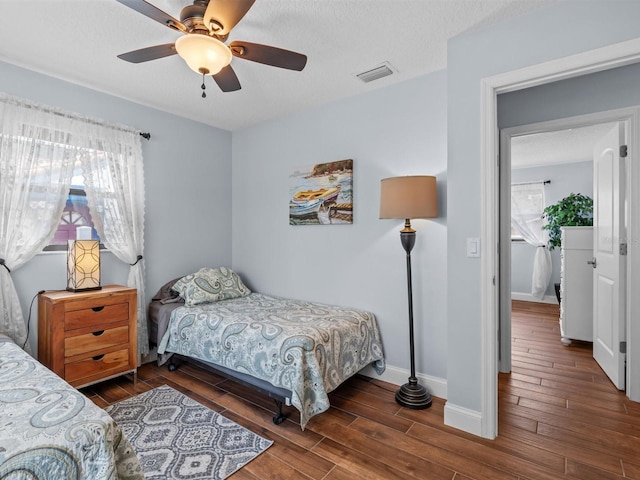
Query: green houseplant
(575, 210)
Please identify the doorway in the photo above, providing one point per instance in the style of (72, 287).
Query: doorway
(575, 65)
(541, 164)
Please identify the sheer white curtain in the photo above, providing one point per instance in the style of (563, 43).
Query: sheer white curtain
(114, 183)
(35, 173)
(39, 147)
(527, 204)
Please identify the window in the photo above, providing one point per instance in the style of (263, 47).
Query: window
(75, 214)
(527, 205)
(45, 144)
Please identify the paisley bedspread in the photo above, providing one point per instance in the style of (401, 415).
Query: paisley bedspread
(308, 348)
(49, 430)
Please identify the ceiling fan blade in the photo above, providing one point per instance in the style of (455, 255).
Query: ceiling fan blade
(154, 13)
(227, 79)
(276, 57)
(222, 15)
(149, 53)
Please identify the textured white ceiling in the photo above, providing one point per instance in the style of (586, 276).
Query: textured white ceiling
(552, 148)
(78, 40)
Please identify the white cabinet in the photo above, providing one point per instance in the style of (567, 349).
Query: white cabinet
(576, 284)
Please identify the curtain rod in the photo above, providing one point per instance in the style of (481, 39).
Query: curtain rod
(544, 182)
(9, 99)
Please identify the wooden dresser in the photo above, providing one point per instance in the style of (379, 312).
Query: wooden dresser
(87, 337)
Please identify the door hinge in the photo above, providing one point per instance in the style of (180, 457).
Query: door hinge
(623, 249)
(623, 347)
(623, 151)
(494, 280)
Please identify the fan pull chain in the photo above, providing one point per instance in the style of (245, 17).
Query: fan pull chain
(203, 86)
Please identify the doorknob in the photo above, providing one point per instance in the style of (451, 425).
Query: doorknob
(592, 262)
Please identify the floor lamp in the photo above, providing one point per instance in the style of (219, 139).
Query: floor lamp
(407, 198)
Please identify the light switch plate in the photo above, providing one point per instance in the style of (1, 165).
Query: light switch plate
(473, 247)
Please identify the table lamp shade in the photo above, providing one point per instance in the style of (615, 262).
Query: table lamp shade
(83, 265)
(409, 197)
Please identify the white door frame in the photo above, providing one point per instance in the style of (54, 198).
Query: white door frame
(629, 116)
(604, 58)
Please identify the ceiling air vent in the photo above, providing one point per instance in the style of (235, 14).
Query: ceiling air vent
(376, 73)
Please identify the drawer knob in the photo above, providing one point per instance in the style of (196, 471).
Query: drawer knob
(97, 309)
(97, 334)
(98, 357)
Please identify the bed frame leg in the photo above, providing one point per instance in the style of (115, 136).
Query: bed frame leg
(172, 367)
(279, 417)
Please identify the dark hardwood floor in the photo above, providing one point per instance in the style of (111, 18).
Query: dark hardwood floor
(559, 417)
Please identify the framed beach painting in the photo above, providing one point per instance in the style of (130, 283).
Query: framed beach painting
(321, 194)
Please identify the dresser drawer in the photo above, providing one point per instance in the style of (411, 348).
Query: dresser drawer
(96, 315)
(107, 364)
(100, 339)
(88, 337)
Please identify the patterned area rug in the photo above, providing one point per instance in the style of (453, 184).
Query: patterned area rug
(177, 438)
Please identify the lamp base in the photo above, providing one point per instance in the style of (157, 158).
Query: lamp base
(413, 395)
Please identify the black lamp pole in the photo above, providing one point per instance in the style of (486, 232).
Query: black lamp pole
(411, 394)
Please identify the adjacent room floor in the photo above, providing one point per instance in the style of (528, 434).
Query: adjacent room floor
(559, 417)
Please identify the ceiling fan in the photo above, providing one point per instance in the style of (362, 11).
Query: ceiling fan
(206, 26)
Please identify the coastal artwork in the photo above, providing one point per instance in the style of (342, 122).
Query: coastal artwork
(321, 194)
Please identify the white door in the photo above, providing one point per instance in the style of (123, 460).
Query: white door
(608, 262)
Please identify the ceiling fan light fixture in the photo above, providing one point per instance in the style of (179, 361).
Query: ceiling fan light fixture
(203, 53)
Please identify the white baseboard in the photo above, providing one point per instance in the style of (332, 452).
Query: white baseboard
(463, 419)
(454, 416)
(435, 386)
(527, 297)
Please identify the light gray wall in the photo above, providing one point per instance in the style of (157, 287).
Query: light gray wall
(398, 130)
(597, 92)
(188, 192)
(562, 29)
(565, 179)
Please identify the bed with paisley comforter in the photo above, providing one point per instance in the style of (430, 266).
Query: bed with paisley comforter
(49, 430)
(305, 349)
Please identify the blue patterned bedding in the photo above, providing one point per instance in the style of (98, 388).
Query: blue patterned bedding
(308, 348)
(49, 430)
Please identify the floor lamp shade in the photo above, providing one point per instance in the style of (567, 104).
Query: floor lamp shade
(409, 197)
(83, 265)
